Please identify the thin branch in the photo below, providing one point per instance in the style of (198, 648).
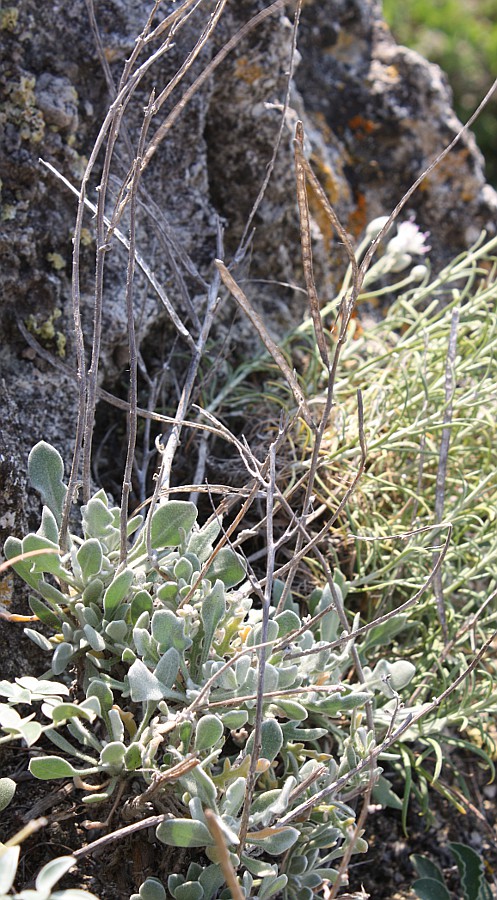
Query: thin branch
(254, 317)
(444, 459)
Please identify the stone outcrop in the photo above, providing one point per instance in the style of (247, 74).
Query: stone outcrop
(375, 115)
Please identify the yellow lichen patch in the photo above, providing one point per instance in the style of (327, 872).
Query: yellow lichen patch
(248, 71)
(58, 262)
(8, 18)
(86, 237)
(21, 109)
(46, 332)
(392, 73)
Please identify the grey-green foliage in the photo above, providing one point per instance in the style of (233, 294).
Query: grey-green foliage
(46, 879)
(151, 639)
(431, 884)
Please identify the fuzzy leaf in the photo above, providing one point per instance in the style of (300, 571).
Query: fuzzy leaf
(46, 473)
(112, 755)
(190, 890)
(12, 548)
(8, 868)
(64, 711)
(209, 731)
(184, 833)
(143, 684)
(201, 542)
(211, 612)
(117, 591)
(90, 558)
(271, 886)
(170, 521)
(48, 526)
(150, 889)
(63, 653)
(271, 740)
(167, 668)
(39, 639)
(227, 565)
(275, 840)
(44, 613)
(52, 873)
(47, 767)
(7, 791)
(430, 889)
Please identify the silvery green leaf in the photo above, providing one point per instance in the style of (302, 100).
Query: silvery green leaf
(271, 740)
(234, 797)
(52, 873)
(430, 889)
(47, 767)
(209, 731)
(96, 517)
(13, 548)
(184, 833)
(234, 718)
(258, 867)
(190, 890)
(112, 755)
(170, 522)
(211, 879)
(63, 654)
(102, 692)
(198, 783)
(90, 558)
(7, 791)
(287, 621)
(150, 889)
(229, 566)
(272, 885)
(211, 612)
(275, 840)
(44, 562)
(143, 684)
(117, 630)
(183, 569)
(64, 711)
(39, 639)
(141, 602)
(167, 668)
(255, 635)
(8, 868)
(169, 631)
(133, 757)
(134, 524)
(48, 526)
(94, 639)
(44, 613)
(46, 473)
(117, 591)
(201, 542)
(289, 709)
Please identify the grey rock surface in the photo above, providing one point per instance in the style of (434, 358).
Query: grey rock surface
(375, 115)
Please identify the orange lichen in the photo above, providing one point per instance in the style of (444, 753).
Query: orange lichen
(248, 71)
(361, 126)
(359, 216)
